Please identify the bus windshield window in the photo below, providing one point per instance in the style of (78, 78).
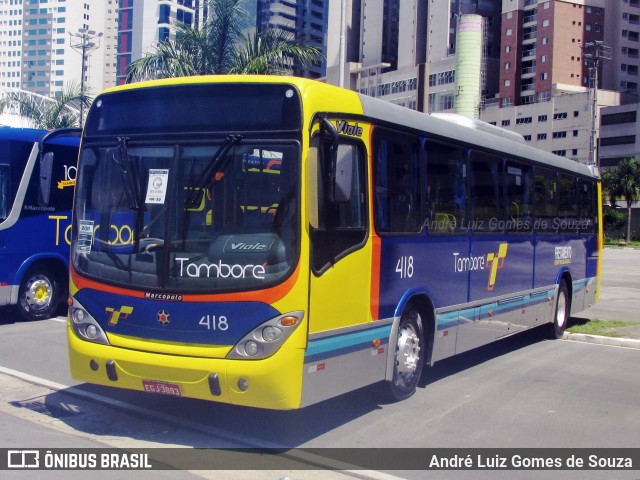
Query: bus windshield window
(188, 217)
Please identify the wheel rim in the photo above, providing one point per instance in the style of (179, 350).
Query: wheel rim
(407, 354)
(38, 293)
(561, 311)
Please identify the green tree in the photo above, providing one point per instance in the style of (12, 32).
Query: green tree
(609, 186)
(628, 173)
(271, 53)
(48, 113)
(219, 46)
(623, 182)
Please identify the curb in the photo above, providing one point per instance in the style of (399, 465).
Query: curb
(600, 340)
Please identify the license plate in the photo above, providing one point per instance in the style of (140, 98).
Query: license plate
(164, 388)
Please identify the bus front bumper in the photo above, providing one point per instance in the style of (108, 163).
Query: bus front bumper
(273, 383)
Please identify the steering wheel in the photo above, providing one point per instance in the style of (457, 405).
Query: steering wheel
(149, 244)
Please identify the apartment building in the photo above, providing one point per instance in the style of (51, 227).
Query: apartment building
(404, 51)
(543, 44)
(144, 23)
(37, 39)
(619, 134)
(110, 42)
(622, 34)
(305, 20)
(561, 125)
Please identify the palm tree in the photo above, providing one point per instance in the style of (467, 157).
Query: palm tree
(610, 186)
(47, 113)
(628, 186)
(271, 52)
(220, 47)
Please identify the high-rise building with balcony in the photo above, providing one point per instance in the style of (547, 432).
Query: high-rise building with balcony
(543, 45)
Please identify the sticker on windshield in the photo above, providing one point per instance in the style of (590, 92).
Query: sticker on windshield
(85, 236)
(157, 187)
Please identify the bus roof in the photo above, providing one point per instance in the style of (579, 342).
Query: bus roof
(24, 134)
(472, 133)
(33, 135)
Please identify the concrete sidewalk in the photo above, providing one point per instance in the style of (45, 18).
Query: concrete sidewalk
(619, 299)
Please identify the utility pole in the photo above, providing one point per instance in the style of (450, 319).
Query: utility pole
(84, 45)
(594, 53)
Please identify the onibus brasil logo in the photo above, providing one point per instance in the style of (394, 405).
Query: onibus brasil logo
(492, 261)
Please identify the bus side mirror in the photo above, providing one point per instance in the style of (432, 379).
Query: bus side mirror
(46, 175)
(312, 187)
(342, 174)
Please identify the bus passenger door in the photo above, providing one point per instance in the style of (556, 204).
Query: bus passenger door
(340, 268)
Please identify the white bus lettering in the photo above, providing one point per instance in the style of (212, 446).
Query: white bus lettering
(219, 270)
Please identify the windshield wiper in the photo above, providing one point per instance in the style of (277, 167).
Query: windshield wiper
(212, 166)
(129, 173)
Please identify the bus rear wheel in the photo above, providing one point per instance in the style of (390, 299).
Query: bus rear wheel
(39, 294)
(561, 314)
(408, 355)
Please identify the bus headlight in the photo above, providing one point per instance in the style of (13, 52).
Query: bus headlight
(271, 334)
(265, 340)
(84, 325)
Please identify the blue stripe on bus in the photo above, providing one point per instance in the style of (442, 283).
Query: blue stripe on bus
(341, 344)
(449, 320)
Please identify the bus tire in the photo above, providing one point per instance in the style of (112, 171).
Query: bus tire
(39, 294)
(561, 313)
(408, 355)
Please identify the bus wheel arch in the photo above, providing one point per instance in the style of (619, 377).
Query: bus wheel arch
(42, 290)
(410, 347)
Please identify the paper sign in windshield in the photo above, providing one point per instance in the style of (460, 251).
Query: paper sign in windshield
(85, 236)
(157, 187)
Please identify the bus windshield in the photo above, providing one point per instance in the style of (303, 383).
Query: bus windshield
(188, 216)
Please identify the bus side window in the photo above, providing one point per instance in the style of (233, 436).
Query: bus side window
(398, 204)
(546, 200)
(446, 188)
(567, 202)
(486, 196)
(518, 194)
(64, 177)
(587, 205)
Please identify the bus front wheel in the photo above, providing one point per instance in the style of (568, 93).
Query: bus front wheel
(39, 294)
(408, 355)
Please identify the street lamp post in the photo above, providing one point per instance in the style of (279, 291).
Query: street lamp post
(595, 53)
(84, 44)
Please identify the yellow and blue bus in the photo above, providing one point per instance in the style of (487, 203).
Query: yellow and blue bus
(274, 241)
(37, 178)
